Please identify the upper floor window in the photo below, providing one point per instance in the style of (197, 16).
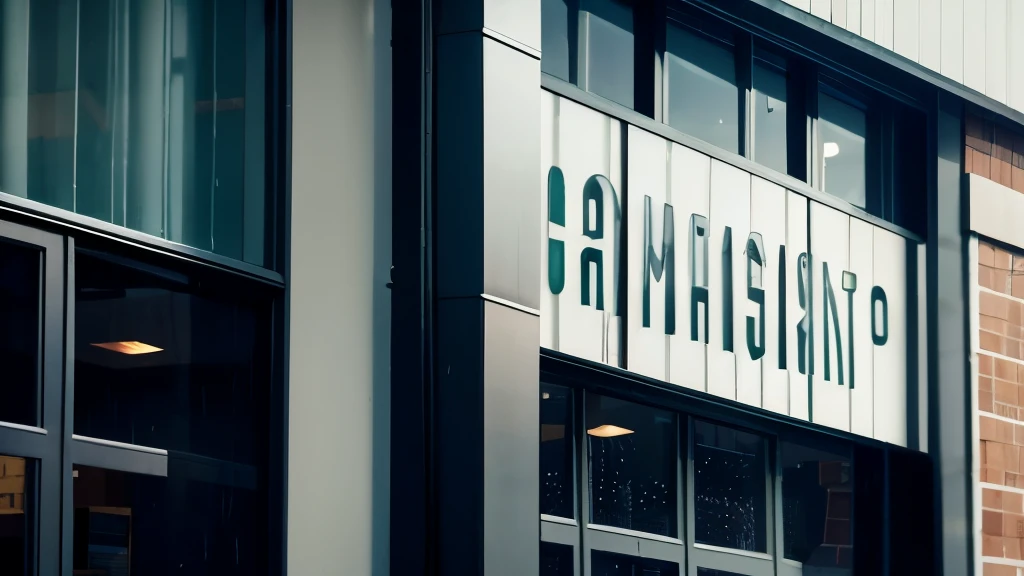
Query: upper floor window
(148, 116)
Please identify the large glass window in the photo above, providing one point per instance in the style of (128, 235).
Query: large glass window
(729, 484)
(558, 40)
(770, 122)
(702, 97)
(841, 148)
(557, 496)
(608, 29)
(144, 115)
(817, 507)
(610, 564)
(556, 559)
(632, 460)
(21, 270)
(17, 477)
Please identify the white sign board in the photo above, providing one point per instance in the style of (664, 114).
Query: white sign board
(718, 280)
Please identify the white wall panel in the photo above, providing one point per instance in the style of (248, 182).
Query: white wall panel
(730, 207)
(830, 245)
(768, 217)
(890, 359)
(952, 39)
(995, 50)
(588, 145)
(975, 14)
(548, 157)
(862, 375)
(906, 28)
(867, 19)
(804, 5)
(884, 13)
(822, 9)
(1015, 56)
(839, 13)
(796, 245)
(690, 187)
(853, 16)
(647, 163)
(930, 32)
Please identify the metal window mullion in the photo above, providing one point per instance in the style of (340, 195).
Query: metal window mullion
(68, 493)
(583, 513)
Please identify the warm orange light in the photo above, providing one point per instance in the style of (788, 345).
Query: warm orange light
(608, 431)
(132, 348)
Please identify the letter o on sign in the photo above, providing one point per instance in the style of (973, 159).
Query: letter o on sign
(879, 307)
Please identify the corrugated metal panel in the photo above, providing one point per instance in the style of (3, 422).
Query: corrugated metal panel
(974, 44)
(906, 28)
(931, 34)
(995, 50)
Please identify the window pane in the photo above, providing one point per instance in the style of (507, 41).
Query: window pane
(159, 363)
(817, 513)
(20, 314)
(770, 116)
(841, 146)
(135, 524)
(147, 116)
(16, 487)
(556, 46)
(703, 99)
(633, 459)
(557, 496)
(713, 572)
(555, 559)
(609, 25)
(609, 564)
(729, 485)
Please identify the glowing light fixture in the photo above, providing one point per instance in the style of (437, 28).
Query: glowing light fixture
(831, 149)
(608, 431)
(132, 348)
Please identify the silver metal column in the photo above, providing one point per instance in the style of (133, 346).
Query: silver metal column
(487, 138)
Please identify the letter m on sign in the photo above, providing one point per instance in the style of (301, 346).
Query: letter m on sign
(661, 267)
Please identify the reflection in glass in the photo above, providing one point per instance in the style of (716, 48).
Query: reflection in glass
(842, 133)
(703, 99)
(557, 48)
(15, 488)
(632, 457)
(186, 523)
(145, 115)
(770, 116)
(817, 513)
(609, 28)
(555, 559)
(20, 315)
(202, 386)
(729, 485)
(609, 564)
(557, 497)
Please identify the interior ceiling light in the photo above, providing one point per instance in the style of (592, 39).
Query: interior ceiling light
(831, 149)
(131, 348)
(608, 431)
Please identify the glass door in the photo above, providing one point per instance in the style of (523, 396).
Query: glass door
(32, 361)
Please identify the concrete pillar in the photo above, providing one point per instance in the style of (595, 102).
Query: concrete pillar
(487, 126)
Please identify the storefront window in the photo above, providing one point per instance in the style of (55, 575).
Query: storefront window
(144, 115)
(633, 459)
(20, 333)
(557, 496)
(817, 507)
(729, 482)
(16, 480)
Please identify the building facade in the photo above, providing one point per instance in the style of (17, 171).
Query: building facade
(554, 287)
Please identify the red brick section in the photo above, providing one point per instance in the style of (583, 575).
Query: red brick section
(1001, 393)
(994, 152)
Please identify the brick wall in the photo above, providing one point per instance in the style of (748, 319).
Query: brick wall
(994, 152)
(1000, 389)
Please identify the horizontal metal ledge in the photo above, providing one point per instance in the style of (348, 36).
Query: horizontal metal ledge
(23, 428)
(733, 551)
(634, 534)
(510, 304)
(511, 43)
(119, 445)
(572, 92)
(558, 520)
(72, 221)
